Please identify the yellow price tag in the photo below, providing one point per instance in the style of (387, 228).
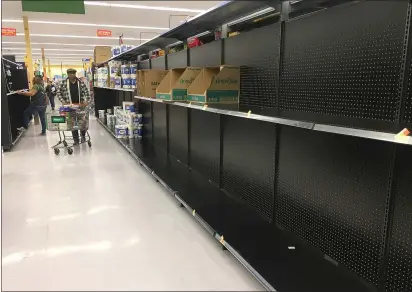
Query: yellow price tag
(204, 107)
(248, 113)
(194, 212)
(402, 139)
(402, 136)
(222, 240)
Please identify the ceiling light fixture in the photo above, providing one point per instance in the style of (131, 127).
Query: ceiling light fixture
(95, 3)
(58, 62)
(56, 55)
(86, 24)
(57, 44)
(78, 36)
(46, 49)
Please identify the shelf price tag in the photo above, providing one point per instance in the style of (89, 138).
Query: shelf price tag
(190, 103)
(248, 113)
(402, 136)
(194, 212)
(222, 240)
(204, 107)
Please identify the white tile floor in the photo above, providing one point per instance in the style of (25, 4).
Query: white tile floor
(97, 221)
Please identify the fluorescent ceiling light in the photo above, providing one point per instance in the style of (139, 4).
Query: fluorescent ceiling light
(58, 44)
(94, 3)
(86, 24)
(47, 49)
(56, 55)
(57, 62)
(250, 16)
(78, 36)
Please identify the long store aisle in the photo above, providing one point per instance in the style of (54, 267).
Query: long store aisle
(97, 221)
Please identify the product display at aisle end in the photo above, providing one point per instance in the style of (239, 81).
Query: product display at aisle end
(302, 178)
(117, 74)
(14, 78)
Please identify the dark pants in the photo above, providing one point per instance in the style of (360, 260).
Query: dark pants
(76, 135)
(51, 98)
(31, 111)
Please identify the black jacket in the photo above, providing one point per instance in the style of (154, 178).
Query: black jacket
(51, 90)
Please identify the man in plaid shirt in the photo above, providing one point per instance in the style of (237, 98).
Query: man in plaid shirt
(70, 91)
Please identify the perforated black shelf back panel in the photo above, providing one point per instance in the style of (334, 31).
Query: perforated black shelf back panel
(408, 103)
(158, 63)
(332, 191)
(207, 55)
(400, 252)
(159, 120)
(178, 129)
(205, 143)
(177, 60)
(257, 53)
(344, 63)
(145, 108)
(249, 162)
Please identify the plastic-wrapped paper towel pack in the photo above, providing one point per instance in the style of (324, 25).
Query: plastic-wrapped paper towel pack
(102, 115)
(121, 131)
(127, 105)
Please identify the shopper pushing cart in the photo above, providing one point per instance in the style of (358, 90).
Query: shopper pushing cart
(74, 91)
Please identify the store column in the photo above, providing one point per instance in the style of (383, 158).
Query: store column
(43, 60)
(28, 49)
(29, 58)
(48, 66)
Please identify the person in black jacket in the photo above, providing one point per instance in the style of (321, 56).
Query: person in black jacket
(74, 91)
(51, 92)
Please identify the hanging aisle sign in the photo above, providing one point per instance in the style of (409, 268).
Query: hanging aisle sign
(7, 31)
(104, 33)
(54, 6)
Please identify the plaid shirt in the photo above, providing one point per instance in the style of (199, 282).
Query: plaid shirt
(63, 92)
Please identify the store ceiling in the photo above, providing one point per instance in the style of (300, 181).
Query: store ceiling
(68, 38)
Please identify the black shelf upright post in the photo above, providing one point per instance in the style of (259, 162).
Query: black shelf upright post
(388, 226)
(395, 161)
(406, 67)
(284, 16)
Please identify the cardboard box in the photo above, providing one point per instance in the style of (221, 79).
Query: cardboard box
(174, 86)
(216, 85)
(102, 54)
(163, 91)
(148, 81)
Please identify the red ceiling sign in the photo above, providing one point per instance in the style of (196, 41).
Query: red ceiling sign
(6, 31)
(104, 33)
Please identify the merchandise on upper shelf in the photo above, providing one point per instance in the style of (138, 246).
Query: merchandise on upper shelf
(117, 50)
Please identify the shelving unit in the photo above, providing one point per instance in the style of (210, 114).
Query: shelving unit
(304, 180)
(12, 108)
(118, 89)
(237, 112)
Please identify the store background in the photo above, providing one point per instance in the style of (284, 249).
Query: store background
(68, 38)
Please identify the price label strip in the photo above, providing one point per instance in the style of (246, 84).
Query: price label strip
(222, 240)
